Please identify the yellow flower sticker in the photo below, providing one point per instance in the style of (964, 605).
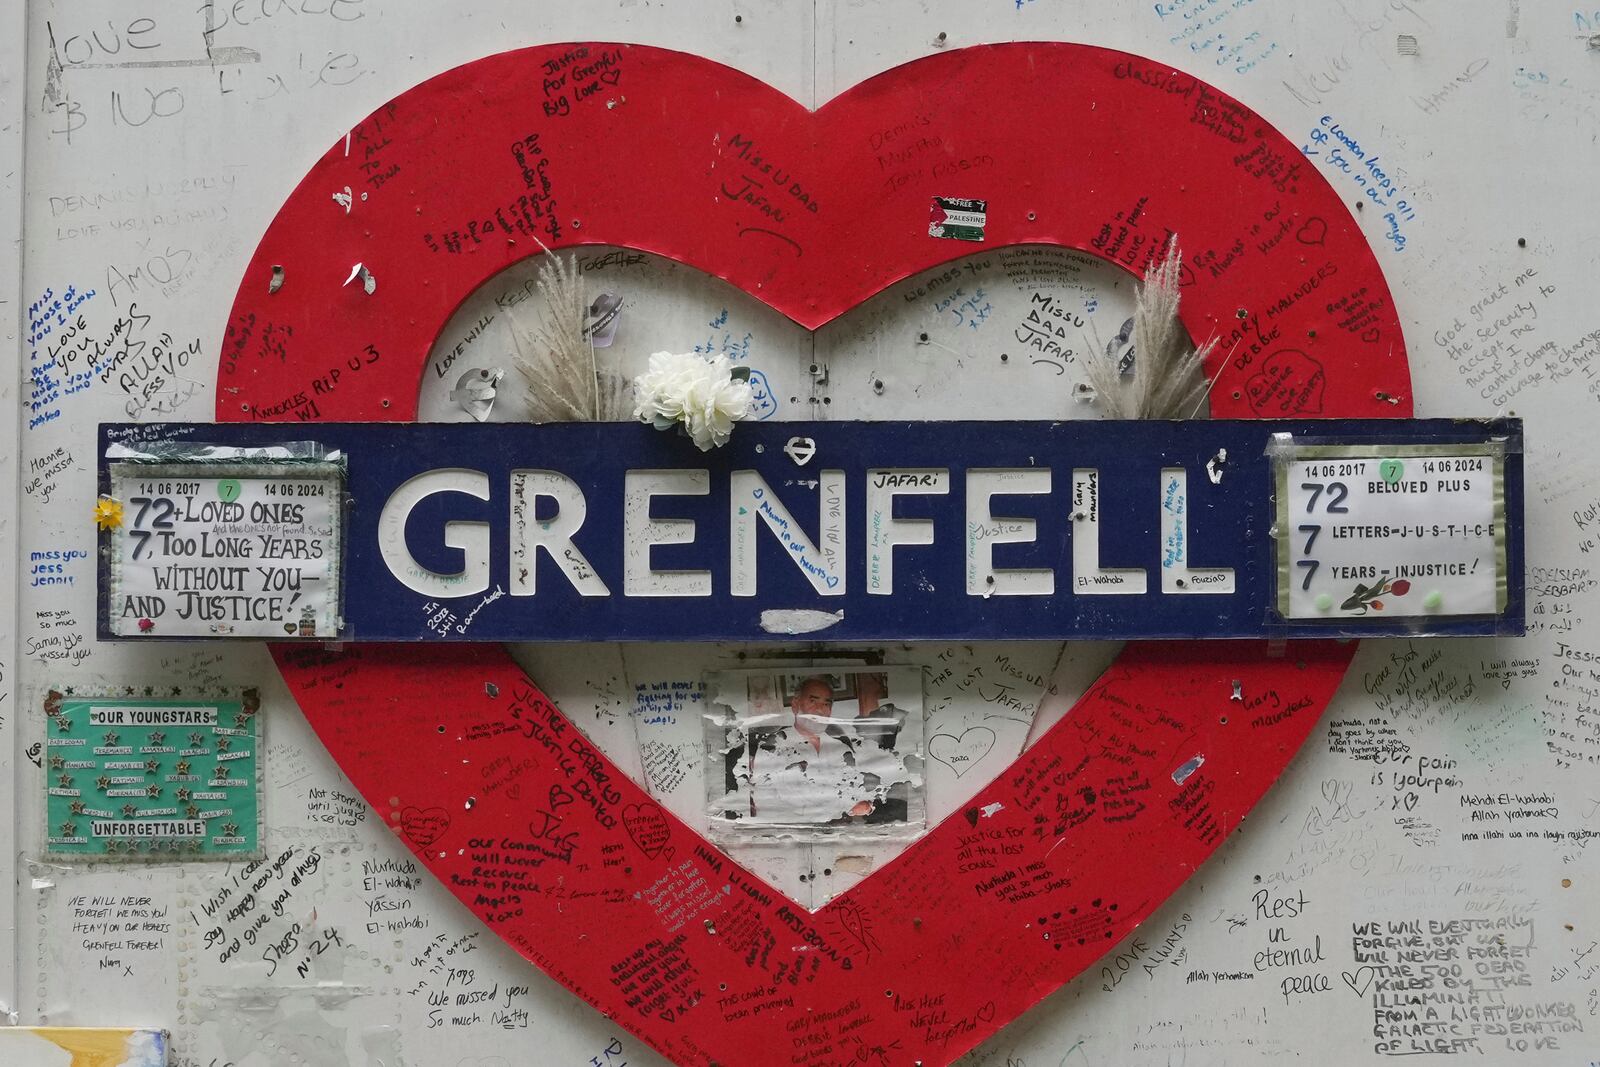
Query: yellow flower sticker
(108, 513)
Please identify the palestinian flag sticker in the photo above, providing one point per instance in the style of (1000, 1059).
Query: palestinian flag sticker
(957, 219)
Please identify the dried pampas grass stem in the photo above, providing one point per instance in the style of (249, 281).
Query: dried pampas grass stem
(1168, 379)
(555, 356)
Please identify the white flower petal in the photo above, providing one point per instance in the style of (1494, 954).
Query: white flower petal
(697, 393)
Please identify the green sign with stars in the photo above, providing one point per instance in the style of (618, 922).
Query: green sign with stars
(151, 779)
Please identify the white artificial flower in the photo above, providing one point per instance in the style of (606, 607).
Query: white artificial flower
(689, 390)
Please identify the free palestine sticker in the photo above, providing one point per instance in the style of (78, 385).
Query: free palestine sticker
(957, 219)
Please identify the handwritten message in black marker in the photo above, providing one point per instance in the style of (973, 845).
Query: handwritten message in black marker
(224, 551)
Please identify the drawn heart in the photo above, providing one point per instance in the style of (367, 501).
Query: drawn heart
(648, 826)
(424, 826)
(847, 220)
(1313, 232)
(1361, 981)
(559, 797)
(1289, 383)
(961, 753)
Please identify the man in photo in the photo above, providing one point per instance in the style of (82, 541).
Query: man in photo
(805, 771)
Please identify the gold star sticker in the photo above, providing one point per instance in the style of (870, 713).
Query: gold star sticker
(172, 846)
(230, 829)
(152, 790)
(157, 737)
(240, 720)
(102, 783)
(223, 743)
(64, 724)
(77, 807)
(151, 766)
(65, 781)
(182, 767)
(192, 812)
(112, 737)
(128, 810)
(57, 763)
(183, 794)
(108, 513)
(197, 739)
(192, 845)
(113, 846)
(69, 829)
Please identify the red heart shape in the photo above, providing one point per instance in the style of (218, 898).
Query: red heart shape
(1064, 142)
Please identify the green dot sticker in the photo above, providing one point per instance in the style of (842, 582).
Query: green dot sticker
(1324, 602)
(1433, 600)
(228, 490)
(1391, 470)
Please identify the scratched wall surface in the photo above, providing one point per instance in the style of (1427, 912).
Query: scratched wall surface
(12, 91)
(1419, 880)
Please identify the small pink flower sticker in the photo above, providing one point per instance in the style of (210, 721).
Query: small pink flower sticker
(146, 625)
